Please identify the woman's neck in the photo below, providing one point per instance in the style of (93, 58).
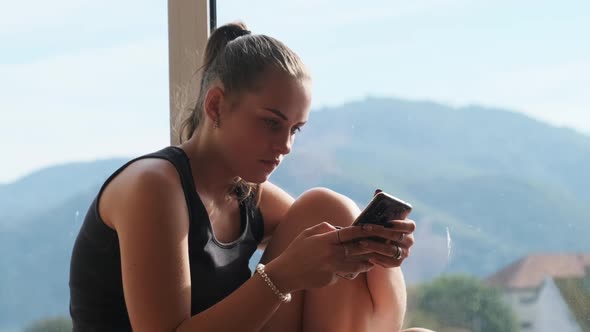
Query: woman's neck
(212, 176)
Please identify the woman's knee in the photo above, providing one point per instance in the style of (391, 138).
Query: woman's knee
(309, 209)
(322, 204)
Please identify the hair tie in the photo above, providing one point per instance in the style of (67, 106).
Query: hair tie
(236, 33)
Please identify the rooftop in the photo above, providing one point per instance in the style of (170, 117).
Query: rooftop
(530, 271)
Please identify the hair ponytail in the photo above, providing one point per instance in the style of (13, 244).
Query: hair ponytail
(215, 45)
(220, 38)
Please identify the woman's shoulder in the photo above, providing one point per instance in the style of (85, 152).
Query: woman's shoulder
(274, 194)
(144, 175)
(145, 170)
(148, 185)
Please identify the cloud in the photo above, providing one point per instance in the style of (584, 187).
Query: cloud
(312, 16)
(83, 105)
(33, 16)
(554, 93)
(127, 74)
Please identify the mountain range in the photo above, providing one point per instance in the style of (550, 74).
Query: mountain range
(487, 185)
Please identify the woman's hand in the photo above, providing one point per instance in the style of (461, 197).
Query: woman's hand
(385, 252)
(391, 253)
(321, 253)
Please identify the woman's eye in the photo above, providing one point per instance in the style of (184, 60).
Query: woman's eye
(275, 124)
(272, 123)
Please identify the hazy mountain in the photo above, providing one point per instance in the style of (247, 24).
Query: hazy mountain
(34, 281)
(48, 187)
(496, 184)
(502, 183)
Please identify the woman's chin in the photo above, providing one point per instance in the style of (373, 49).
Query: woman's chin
(256, 178)
(258, 174)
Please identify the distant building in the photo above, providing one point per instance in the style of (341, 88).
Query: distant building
(548, 292)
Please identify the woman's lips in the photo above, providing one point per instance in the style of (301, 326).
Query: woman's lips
(270, 165)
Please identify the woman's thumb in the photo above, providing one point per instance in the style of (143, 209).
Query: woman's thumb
(320, 228)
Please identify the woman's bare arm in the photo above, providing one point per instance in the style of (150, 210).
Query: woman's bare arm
(274, 204)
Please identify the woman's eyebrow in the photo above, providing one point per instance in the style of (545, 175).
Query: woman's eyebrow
(281, 115)
(277, 113)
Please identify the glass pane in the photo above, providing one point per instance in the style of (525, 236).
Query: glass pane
(472, 111)
(476, 113)
(84, 87)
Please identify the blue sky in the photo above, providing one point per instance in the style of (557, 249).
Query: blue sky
(82, 80)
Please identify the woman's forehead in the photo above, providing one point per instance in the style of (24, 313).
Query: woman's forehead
(286, 94)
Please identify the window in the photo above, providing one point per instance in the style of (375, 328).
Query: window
(84, 87)
(473, 111)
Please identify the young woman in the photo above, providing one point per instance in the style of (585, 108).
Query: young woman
(166, 243)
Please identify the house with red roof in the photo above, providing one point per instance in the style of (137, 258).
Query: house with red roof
(547, 292)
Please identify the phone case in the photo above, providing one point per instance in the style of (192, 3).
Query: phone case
(383, 208)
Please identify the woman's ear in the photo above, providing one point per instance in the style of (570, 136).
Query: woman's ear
(214, 101)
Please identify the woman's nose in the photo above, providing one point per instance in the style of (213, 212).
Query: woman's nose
(284, 144)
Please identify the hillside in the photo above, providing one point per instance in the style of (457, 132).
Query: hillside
(499, 184)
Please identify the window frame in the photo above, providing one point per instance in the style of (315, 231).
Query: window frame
(190, 23)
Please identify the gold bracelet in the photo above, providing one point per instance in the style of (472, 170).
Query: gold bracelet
(283, 297)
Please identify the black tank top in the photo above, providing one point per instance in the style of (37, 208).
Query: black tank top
(217, 269)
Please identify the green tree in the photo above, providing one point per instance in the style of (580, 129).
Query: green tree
(54, 324)
(463, 302)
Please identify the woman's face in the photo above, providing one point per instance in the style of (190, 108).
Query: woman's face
(259, 130)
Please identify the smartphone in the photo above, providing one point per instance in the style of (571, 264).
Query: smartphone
(383, 208)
